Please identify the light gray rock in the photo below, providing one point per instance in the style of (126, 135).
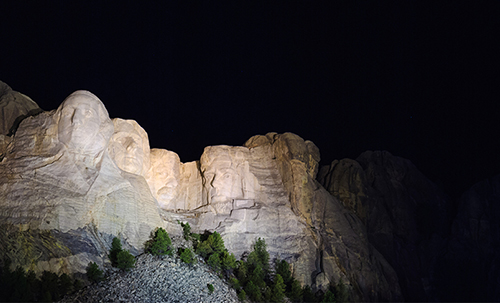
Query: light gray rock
(57, 175)
(75, 178)
(129, 147)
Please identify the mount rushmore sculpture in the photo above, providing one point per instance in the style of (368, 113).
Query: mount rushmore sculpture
(72, 178)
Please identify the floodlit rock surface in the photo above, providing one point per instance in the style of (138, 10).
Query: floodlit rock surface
(71, 179)
(57, 176)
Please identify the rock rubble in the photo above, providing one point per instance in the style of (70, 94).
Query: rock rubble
(158, 279)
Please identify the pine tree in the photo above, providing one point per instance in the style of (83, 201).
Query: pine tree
(186, 228)
(187, 256)
(253, 291)
(204, 249)
(308, 295)
(242, 295)
(94, 274)
(216, 242)
(340, 291)
(329, 297)
(283, 269)
(295, 293)
(259, 256)
(214, 261)
(125, 260)
(116, 248)
(228, 260)
(278, 291)
(161, 243)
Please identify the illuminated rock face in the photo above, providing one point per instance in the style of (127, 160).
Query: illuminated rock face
(85, 178)
(57, 175)
(129, 147)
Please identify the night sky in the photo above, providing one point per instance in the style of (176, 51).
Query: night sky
(419, 79)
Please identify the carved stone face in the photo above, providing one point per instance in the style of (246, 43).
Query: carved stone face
(227, 171)
(129, 147)
(84, 125)
(163, 177)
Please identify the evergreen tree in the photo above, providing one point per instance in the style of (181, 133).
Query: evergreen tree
(214, 261)
(308, 295)
(268, 294)
(295, 293)
(257, 276)
(253, 291)
(216, 242)
(340, 291)
(329, 297)
(186, 228)
(259, 256)
(49, 281)
(94, 274)
(65, 284)
(234, 283)
(125, 260)
(278, 291)
(242, 272)
(242, 295)
(228, 260)
(204, 249)
(187, 256)
(283, 269)
(210, 288)
(161, 243)
(116, 248)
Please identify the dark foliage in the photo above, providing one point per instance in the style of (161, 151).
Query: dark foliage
(186, 228)
(161, 243)
(116, 248)
(21, 286)
(187, 256)
(210, 288)
(126, 260)
(94, 274)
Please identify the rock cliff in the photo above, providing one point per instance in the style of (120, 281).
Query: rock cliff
(72, 178)
(468, 268)
(58, 182)
(406, 215)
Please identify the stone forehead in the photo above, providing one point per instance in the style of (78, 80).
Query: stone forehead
(128, 128)
(86, 97)
(160, 155)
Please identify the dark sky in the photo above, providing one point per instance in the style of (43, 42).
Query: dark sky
(419, 79)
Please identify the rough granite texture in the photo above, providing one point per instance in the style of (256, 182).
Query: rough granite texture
(71, 179)
(404, 213)
(57, 175)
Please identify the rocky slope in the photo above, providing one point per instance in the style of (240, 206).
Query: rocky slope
(158, 279)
